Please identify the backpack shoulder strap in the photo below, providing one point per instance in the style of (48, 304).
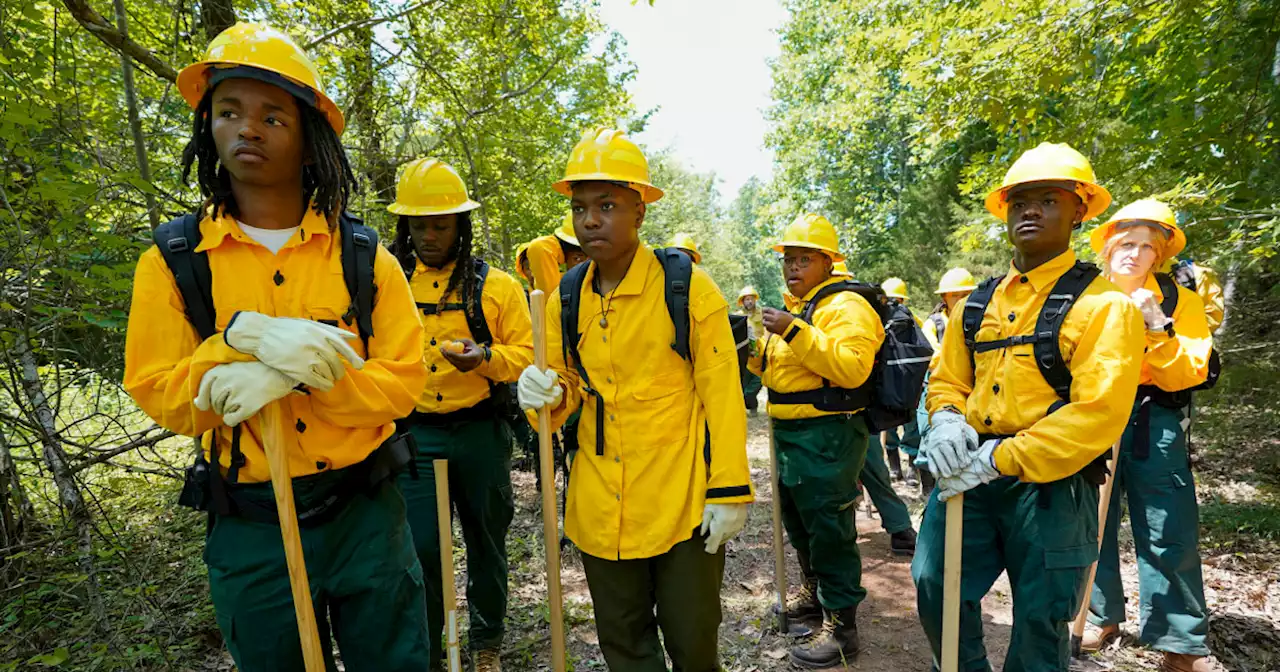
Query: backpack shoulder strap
(975, 307)
(570, 299)
(475, 315)
(1046, 349)
(678, 269)
(359, 251)
(177, 241)
(811, 306)
(1168, 292)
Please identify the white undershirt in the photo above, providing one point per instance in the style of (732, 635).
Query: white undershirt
(272, 239)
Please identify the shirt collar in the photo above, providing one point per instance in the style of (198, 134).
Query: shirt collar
(1153, 287)
(217, 227)
(793, 303)
(423, 269)
(1043, 276)
(637, 274)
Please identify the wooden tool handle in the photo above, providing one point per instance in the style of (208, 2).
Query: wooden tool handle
(951, 584)
(546, 466)
(1104, 503)
(280, 438)
(779, 550)
(444, 526)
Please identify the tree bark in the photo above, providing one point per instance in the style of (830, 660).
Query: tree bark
(216, 16)
(15, 508)
(135, 123)
(93, 22)
(380, 177)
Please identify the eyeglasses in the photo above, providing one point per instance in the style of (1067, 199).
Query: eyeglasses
(801, 261)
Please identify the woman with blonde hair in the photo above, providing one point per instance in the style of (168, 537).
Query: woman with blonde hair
(1154, 472)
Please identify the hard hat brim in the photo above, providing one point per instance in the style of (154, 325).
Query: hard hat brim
(957, 288)
(572, 240)
(781, 248)
(1099, 197)
(1176, 243)
(193, 84)
(897, 296)
(426, 210)
(648, 192)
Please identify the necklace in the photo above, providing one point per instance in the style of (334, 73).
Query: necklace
(604, 308)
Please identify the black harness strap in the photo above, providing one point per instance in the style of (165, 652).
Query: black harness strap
(570, 302)
(437, 309)
(677, 268)
(359, 250)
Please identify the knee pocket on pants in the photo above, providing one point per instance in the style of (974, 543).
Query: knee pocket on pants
(1065, 570)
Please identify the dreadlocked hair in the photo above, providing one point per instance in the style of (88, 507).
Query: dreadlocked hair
(462, 280)
(327, 178)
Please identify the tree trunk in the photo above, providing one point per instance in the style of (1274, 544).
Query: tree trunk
(216, 16)
(1228, 295)
(15, 509)
(380, 177)
(135, 123)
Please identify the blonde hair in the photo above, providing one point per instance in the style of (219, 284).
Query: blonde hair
(1122, 231)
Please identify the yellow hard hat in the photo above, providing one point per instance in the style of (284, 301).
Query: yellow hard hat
(264, 48)
(956, 280)
(608, 155)
(430, 187)
(686, 242)
(747, 291)
(811, 231)
(1145, 210)
(521, 255)
(894, 288)
(841, 268)
(1052, 162)
(566, 232)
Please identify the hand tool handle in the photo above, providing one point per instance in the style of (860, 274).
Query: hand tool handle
(546, 466)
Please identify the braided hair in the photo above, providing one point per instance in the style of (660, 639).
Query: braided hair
(327, 178)
(463, 278)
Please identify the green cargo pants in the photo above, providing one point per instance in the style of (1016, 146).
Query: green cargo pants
(819, 460)
(479, 455)
(910, 441)
(366, 583)
(1044, 536)
(894, 516)
(1166, 537)
(677, 592)
(750, 389)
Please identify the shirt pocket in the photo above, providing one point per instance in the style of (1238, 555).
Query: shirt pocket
(326, 301)
(662, 409)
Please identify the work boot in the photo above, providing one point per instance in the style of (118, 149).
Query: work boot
(1095, 639)
(926, 482)
(911, 479)
(903, 543)
(487, 661)
(804, 614)
(895, 464)
(1183, 662)
(836, 645)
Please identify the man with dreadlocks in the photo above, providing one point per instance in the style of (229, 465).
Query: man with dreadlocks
(268, 160)
(478, 340)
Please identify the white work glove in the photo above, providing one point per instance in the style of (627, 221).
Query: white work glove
(981, 469)
(722, 522)
(1152, 314)
(536, 389)
(306, 351)
(237, 391)
(948, 446)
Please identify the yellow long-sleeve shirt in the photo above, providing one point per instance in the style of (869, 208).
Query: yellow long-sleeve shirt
(1210, 290)
(1102, 339)
(840, 346)
(1181, 361)
(165, 359)
(506, 313)
(646, 492)
(545, 259)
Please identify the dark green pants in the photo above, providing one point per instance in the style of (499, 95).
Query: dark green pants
(479, 455)
(910, 441)
(894, 516)
(819, 460)
(1045, 537)
(677, 592)
(1166, 538)
(365, 582)
(750, 389)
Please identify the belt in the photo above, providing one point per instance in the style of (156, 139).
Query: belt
(483, 410)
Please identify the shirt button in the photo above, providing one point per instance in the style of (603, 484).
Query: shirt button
(617, 459)
(1012, 317)
(610, 379)
(611, 416)
(1023, 279)
(433, 368)
(433, 340)
(278, 279)
(606, 338)
(618, 497)
(440, 397)
(320, 464)
(995, 388)
(436, 284)
(302, 426)
(987, 422)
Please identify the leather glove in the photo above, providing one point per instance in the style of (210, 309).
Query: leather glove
(981, 469)
(306, 351)
(948, 446)
(237, 391)
(1152, 314)
(722, 522)
(536, 388)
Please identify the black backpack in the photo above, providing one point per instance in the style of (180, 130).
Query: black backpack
(1169, 303)
(500, 393)
(179, 238)
(891, 393)
(677, 268)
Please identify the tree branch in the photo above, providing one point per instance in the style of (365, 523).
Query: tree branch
(112, 452)
(517, 93)
(93, 22)
(362, 23)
